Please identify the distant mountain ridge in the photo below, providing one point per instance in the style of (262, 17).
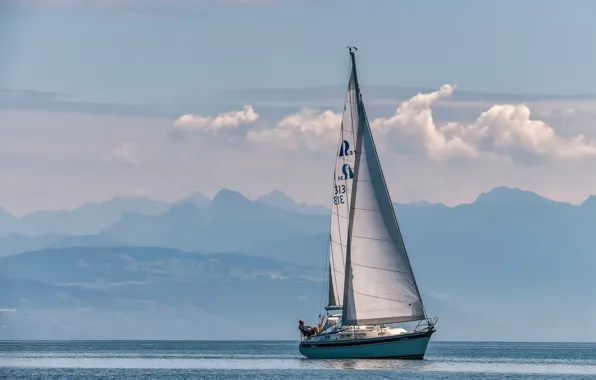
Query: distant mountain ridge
(279, 199)
(91, 218)
(270, 226)
(229, 223)
(88, 218)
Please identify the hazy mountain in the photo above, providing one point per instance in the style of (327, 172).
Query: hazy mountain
(244, 290)
(8, 222)
(527, 242)
(197, 198)
(230, 223)
(89, 218)
(280, 200)
(82, 241)
(503, 219)
(151, 293)
(17, 243)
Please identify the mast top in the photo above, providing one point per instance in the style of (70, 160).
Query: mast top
(352, 50)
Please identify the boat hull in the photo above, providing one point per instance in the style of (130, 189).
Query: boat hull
(406, 346)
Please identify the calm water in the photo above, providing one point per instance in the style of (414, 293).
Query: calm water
(131, 360)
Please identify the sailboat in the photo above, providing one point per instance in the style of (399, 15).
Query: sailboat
(372, 291)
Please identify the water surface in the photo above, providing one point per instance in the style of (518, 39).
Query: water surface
(131, 360)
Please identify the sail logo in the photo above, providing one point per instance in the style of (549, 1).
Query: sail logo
(347, 172)
(344, 149)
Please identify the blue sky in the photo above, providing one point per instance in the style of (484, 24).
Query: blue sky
(185, 50)
(100, 98)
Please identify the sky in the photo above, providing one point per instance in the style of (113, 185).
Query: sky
(101, 98)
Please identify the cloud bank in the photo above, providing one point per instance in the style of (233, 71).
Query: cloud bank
(308, 128)
(435, 152)
(220, 122)
(504, 132)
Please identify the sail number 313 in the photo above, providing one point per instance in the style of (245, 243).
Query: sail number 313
(340, 190)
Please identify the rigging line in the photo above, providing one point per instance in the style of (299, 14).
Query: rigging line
(339, 216)
(324, 282)
(331, 276)
(372, 238)
(329, 255)
(339, 243)
(335, 294)
(366, 209)
(331, 241)
(383, 298)
(385, 269)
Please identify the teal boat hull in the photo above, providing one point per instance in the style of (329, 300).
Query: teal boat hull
(405, 346)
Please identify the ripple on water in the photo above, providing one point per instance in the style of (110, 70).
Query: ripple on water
(443, 359)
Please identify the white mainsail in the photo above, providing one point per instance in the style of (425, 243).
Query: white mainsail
(342, 190)
(377, 285)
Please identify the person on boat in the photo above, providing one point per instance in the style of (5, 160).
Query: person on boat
(307, 330)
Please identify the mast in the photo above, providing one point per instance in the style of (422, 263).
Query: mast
(343, 179)
(353, 50)
(379, 284)
(348, 302)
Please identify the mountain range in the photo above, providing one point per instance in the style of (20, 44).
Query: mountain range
(180, 224)
(512, 265)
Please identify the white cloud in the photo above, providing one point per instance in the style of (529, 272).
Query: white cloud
(309, 127)
(213, 124)
(509, 128)
(43, 146)
(504, 131)
(127, 152)
(414, 119)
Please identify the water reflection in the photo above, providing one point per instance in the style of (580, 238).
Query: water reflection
(291, 364)
(369, 364)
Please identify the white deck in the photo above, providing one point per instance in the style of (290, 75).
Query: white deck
(356, 332)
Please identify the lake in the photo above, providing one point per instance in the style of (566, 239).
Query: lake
(131, 360)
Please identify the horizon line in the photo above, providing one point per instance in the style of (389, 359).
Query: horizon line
(256, 199)
(268, 340)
